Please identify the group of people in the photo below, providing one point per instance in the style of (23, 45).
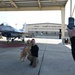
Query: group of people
(33, 55)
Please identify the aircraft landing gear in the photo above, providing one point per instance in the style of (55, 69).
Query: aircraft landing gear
(23, 40)
(8, 39)
(12, 40)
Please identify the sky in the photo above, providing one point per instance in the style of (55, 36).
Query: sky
(18, 18)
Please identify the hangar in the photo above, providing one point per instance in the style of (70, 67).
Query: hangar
(48, 29)
(31, 5)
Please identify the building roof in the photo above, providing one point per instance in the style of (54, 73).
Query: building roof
(45, 24)
(26, 5)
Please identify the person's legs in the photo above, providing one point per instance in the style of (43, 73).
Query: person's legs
(30, 58)
(35, 61)
(73, 54)
(73, 47)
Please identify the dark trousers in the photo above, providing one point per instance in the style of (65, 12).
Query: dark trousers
(73, 46)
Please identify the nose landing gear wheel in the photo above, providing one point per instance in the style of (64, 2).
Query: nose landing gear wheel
(23, 40)
(12, 40)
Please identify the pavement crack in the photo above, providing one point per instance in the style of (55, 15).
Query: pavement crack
(42, 60)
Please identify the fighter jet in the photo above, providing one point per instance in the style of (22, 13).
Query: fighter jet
(12, 33)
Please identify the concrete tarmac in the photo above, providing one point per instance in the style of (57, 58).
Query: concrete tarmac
(54, 59)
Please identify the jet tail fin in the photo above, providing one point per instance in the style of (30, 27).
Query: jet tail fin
(23, 28)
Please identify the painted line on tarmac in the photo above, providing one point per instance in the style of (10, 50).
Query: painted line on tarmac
(42, 60)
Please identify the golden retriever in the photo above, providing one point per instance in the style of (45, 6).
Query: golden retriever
(26, 50)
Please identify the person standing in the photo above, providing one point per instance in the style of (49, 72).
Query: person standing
(34, 54)
(71, 33)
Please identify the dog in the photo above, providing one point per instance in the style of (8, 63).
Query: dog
(26, 50)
